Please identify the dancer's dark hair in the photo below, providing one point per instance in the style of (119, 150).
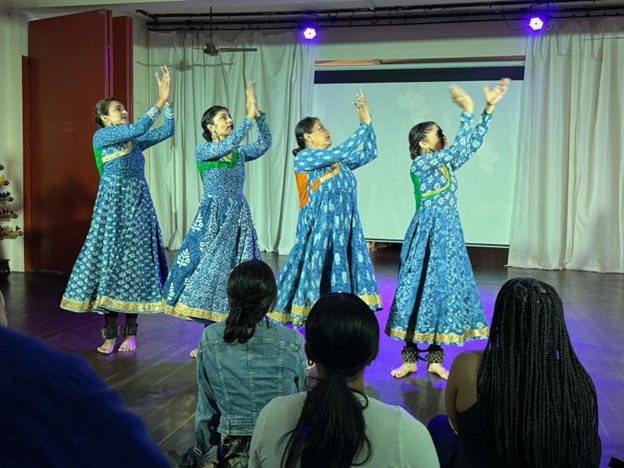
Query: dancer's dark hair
(416, 135)
(208, 118)
(342, 337)
(305, 125)
(252, 293)
(101, 108)
(537, 402)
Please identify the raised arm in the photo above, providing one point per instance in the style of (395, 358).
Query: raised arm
(207, 151)
(309, 159)
(161, 133)
(429, 161)
(207, 415)
(112, 135)
(262, 144)
(366, 154)
(120, 134)
(492, 97)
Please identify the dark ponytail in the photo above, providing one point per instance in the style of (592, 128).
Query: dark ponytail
(416, 135)
(342, 336)
(305, 125)
(208, 118)
(252, 293)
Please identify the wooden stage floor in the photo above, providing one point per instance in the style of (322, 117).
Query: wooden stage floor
(158, 383)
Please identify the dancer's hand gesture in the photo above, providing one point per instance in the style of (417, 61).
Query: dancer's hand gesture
(493, 96)
(251, 103)
(461, 98)
(164, 86)
(363, 108)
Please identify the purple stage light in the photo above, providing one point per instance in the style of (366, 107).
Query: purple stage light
(309, 32)
(536, 23)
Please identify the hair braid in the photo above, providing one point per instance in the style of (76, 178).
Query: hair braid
(538, 405)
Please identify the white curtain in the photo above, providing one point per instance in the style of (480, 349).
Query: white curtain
(283, 69)
(569, 195)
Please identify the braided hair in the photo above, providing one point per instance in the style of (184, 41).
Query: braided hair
(305, 125)
(416, 135)
(342, 336)
(252, 293)
(538, 404)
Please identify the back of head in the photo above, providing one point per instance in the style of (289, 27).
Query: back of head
(537, 402)
(252, 293)
(208, 118)
(305, 125)
(342, 337)
(416, 135)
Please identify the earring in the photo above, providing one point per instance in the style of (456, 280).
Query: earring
(310, 364)
(213, 135)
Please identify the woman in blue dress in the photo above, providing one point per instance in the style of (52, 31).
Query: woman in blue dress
(122, 265)
(222, 234)
(437, 301)
(330, 253)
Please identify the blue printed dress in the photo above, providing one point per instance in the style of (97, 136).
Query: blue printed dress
(222, 234)
(330, 253)
(122, 265)
(437, 300)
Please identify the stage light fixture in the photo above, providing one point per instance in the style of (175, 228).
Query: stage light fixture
(309, 32)
(536, 23)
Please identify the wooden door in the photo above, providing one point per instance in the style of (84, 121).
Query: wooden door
(70, 69)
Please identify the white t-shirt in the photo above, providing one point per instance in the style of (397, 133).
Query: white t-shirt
(397, 438)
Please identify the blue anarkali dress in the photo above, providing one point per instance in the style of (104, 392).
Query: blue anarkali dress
(437, 300)
(122, 265)
(330, 253)
(222, 234)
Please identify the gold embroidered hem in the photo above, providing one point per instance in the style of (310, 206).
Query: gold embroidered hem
(457, 340)
(189, 313)
(112, 305)
(299, 313)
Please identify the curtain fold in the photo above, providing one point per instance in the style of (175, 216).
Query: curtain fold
(569, 194)
(283, 70)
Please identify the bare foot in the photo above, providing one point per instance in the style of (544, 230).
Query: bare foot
(128, 344)
(438, 370)
(193, 353)
(108, 346)
(406, 369)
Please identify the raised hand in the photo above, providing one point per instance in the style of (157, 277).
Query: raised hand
(493, 96)
(363, 108)
(250, 101)
(164, 86)
(461, 98)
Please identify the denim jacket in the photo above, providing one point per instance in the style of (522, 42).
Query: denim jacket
(237, 380)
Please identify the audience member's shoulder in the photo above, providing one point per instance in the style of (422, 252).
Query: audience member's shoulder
(25, 356)
(466, 362)
(214, 331)
(285, 332)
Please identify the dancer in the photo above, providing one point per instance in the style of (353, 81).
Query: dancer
(122, 265)
(437, 301)
(334, 424)
(243, 363)
(526, 399)
(222, 234)
(330, 253)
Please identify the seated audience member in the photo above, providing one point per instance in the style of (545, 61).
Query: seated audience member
(526, 400)
(56, 412)
(334, 424)
(242, 364)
